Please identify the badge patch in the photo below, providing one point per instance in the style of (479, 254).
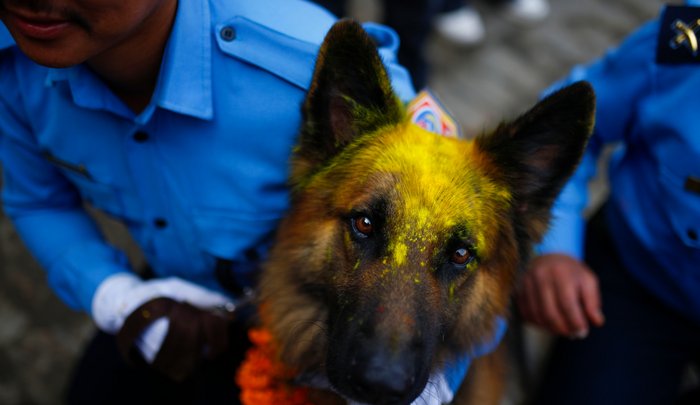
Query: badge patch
(427, 112)
(679, 35)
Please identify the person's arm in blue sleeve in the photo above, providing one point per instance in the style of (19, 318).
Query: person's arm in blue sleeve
(84, 270)
(558, 291)
(47, 210)
(619, 79)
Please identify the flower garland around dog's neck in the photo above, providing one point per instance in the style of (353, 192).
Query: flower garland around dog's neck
(263, 379)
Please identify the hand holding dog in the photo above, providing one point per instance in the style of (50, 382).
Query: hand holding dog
(169, 321)
(560, 294)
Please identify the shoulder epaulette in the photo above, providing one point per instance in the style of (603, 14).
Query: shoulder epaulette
(679, 33)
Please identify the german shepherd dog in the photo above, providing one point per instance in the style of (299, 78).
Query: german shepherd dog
(402, 247)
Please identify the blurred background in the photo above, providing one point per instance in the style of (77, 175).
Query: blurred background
(497, 77)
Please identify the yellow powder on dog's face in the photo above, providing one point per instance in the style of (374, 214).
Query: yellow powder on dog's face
(435, 186)
(399, 252)
(440, 187)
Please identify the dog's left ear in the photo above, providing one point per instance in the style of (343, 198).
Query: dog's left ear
(539, 151)
(350, 95)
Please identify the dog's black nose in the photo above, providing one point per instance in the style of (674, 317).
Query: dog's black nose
(380, 376)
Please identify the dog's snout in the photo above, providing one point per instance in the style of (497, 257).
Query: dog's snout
(384, 358)
(381, 376)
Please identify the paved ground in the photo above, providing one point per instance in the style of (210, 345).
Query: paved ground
(40, 337)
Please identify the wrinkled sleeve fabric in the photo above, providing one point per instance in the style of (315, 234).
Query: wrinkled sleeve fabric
(619, 78)
(45, 208)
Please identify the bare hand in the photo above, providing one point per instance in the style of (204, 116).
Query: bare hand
(560, 294)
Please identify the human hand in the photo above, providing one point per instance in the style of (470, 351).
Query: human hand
(560, 294)
(170, 321)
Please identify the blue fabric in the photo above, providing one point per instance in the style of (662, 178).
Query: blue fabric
(640, 354)
(5, 38)
(210, 179)
(650, 111)
(456, 370)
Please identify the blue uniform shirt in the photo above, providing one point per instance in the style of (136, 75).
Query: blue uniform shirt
(199, 175)
(652, 111)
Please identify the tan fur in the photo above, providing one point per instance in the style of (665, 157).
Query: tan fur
(485, 382)
(379, 312)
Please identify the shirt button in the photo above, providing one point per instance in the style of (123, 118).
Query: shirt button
(140, 136)
(228, 33)
(160, 223)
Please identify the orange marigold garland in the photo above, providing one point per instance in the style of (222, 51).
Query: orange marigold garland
(263, 379)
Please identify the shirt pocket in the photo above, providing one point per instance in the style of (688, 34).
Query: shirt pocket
(93, 191)
(681, 202)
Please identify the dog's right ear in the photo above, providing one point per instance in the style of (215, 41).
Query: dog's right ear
(538, 151)
(350, 95)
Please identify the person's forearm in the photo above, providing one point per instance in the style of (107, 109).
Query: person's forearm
(69, 246)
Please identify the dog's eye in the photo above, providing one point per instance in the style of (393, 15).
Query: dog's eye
(362, 226)
(462, 256)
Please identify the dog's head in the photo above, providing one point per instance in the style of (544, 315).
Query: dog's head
(402, 246)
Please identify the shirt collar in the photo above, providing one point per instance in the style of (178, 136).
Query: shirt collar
(6, 40)
(184, 82)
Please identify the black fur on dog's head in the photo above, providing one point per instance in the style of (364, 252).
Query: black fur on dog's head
(401, 247)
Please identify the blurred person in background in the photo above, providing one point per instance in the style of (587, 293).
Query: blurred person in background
(412, 21)
(623, 289)
(460, 22)
(456, 20)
